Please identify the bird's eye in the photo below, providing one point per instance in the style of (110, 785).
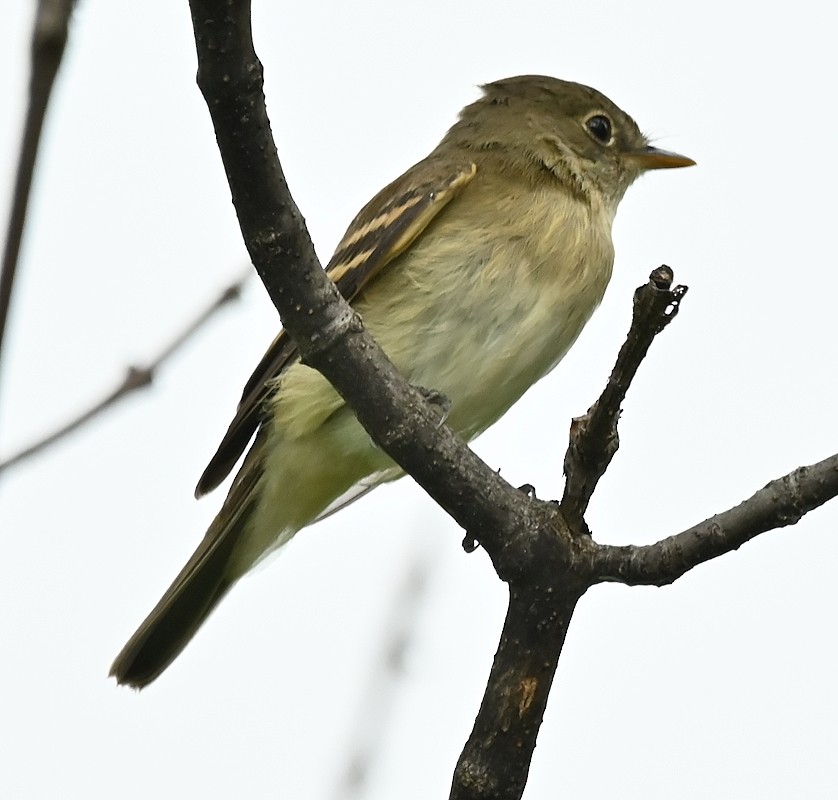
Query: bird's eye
(599, 126)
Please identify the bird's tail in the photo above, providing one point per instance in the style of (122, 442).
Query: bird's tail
(196, 591)
(283, 485)
(175, 619)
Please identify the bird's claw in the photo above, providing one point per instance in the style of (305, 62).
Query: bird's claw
(437, 398)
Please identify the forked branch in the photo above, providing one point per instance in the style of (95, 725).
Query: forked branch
(542, 550)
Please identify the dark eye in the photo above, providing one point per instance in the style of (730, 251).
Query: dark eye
(599, 126)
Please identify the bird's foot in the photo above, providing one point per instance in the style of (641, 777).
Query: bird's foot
(438, 399)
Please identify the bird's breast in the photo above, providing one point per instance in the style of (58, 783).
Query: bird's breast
(481, 312)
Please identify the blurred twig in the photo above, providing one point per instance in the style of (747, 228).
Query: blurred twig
(380, 694)
(136, 377)
(48, 40)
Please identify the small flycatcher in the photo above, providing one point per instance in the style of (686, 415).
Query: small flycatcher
(475, 271)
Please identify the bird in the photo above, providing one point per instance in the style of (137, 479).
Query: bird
(475, 271)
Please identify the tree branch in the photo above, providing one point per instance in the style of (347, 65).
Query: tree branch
(518, 532)
(48, 39)
(542, 550)
(781, 502)
(329, 334)
(593, 436)
(495, 761)
(136, 377)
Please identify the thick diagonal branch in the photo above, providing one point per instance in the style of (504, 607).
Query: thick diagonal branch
(510, 525)
(329, 334)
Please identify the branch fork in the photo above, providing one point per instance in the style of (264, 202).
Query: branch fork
(542, 550)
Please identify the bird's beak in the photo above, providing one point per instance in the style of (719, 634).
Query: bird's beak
(653, 158)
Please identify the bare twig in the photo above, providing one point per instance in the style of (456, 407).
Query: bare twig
(593, 436)
(782, 502)
(48, 40)
(136, 377)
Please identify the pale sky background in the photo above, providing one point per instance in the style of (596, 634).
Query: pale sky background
(721, 686)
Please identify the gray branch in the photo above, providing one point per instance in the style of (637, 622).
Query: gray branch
(49, 37)
(784, 501)
(136, 376)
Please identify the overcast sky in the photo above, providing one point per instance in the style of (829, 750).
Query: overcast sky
(720, 686)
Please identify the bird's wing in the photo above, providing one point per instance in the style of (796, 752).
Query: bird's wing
(384, 229)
